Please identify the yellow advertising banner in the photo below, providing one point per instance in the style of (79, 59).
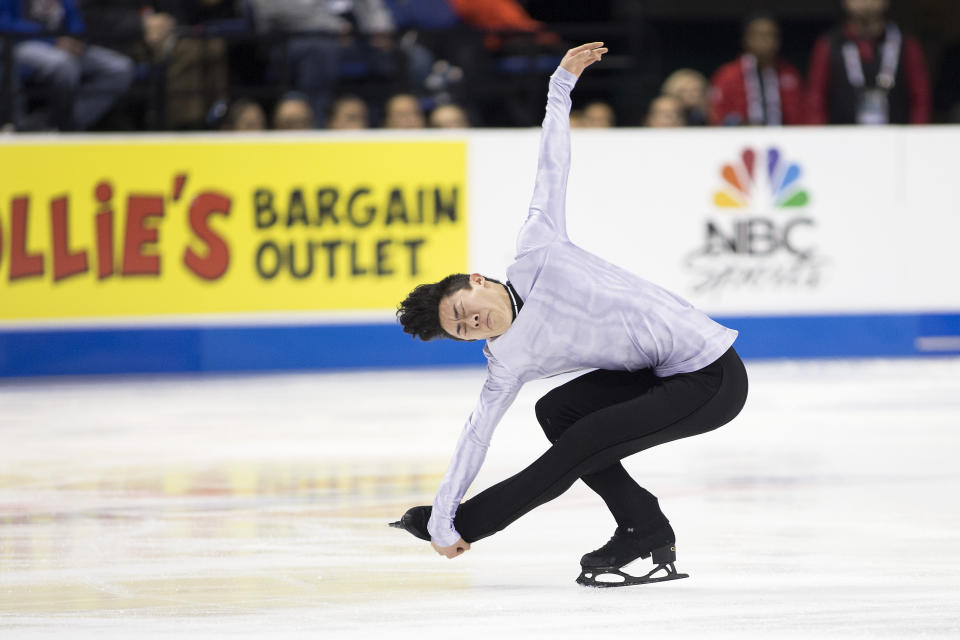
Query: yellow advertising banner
(147, 227)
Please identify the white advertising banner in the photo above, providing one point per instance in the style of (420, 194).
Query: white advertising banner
(746, 221)
(812, 242)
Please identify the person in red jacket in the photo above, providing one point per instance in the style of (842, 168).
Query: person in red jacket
(866, 71)
(758, 88)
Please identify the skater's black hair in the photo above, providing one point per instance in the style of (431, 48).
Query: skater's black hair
(419, 313)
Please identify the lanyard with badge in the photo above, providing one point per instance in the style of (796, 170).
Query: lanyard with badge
(873, 104)
(763, 92)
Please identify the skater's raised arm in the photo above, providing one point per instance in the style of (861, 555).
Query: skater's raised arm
(546, 219)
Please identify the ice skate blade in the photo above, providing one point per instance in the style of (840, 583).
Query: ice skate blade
(589, 577)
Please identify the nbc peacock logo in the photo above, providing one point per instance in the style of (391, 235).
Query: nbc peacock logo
(745, 183)
(766, 239)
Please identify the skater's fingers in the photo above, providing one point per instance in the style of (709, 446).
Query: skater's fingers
(579, 58)
(585, 47)
(593, 52)
(459, 548)
(583, 53)
(592, 56)
(589, 57)
(454, 550)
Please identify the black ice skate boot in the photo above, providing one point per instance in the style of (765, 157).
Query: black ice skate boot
(415, 521)
(602, 567)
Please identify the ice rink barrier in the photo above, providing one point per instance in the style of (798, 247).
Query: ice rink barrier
(283, 252)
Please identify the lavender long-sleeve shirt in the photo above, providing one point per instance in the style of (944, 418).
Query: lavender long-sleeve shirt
(579, 312)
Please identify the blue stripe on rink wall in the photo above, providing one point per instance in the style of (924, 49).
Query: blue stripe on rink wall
(261, 348)
(196, 349)
(840, 336)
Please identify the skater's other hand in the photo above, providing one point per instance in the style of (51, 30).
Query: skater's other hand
(456, 549)
(579, 58)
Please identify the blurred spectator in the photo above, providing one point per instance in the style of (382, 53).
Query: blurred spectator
(758, 88)
(515, 48)
(576, 118)
(665, 111)
(690, 88)
(293, 112)
(504, 16)
(866, 71)
(449, 116)
(245, 115)
(349, 112)
(598, 115)
(404, 112)
(83, 82)
(328, 31)
(191, 71)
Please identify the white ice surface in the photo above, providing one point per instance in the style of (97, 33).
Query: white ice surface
(256, 506)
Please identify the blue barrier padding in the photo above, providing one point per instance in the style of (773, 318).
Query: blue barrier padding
(838, 336)
(328, 347)
(270, 347)
(218, 349)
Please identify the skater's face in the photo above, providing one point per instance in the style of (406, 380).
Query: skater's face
(480, 312)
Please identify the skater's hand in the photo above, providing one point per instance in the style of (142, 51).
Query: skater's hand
(579, 58)
(458, 548)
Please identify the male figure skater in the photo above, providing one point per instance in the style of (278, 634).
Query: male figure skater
(664, 371)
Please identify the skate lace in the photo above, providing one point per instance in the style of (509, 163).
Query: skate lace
(612, 543)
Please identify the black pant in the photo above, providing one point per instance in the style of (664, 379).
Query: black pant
(595, 421)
